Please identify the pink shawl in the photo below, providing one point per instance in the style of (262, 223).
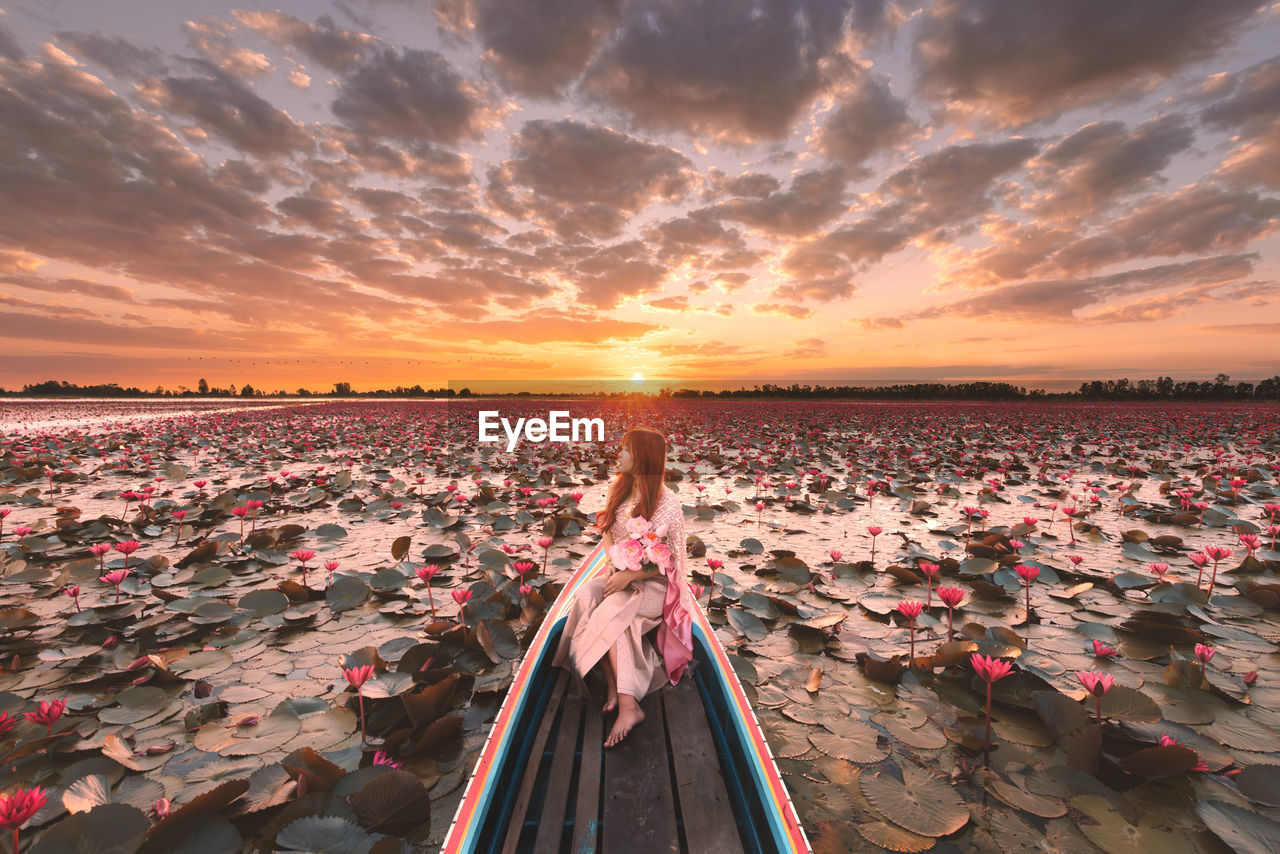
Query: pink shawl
(674, 639)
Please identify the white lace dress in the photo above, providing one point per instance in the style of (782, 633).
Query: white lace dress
(596, 622)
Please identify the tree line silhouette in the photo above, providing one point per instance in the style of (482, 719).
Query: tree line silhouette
(1162, 388)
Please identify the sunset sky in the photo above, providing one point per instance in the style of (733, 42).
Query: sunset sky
(404, 192)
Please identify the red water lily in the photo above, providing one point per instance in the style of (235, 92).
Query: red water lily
(18, 808)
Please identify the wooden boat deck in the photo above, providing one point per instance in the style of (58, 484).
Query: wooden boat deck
(662, 788)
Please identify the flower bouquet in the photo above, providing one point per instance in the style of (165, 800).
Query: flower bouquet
(645, 548)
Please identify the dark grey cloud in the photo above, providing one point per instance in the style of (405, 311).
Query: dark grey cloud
(1103, 161)
(1250, 111)
(413, 96)
(323, 42)
(535, 47)
(1196, 219)
(9, 47)
(1010, 61)
(584, 179)
(222, 105)
(867, 120)
(932, 198)
(685, 239)
(120, 56)
(718, 70)
(814, 198)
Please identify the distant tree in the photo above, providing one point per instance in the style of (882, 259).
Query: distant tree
(247, 391)
(203, 386)
(342, 389)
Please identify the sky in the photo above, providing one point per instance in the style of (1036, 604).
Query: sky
(715, 191)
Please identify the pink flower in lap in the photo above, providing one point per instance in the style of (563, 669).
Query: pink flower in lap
(659, 553)
(637, 527)
(628, 554)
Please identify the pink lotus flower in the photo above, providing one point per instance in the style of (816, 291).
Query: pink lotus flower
(991, 670)
(1096, 684)
(426, 573)
(382, 758)
(7, 723)
(356, 677)
(331, 565)
(929, 570)
(836, 554)
(1204, 652)
(47, 715)
(911, 610)
(1159, 569)
(18, 808)
(951, 597)
(1102, 650)
(74, 592)
(302, 556)
(1170, 741)
(115, 577)
(1216, 554)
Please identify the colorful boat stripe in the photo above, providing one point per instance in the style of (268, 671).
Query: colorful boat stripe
(479, 792)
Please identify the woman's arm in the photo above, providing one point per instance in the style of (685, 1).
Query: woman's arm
(607, 540)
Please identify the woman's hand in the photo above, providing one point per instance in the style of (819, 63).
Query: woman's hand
(619, 579)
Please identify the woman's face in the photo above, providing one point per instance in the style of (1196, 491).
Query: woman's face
(625, 461)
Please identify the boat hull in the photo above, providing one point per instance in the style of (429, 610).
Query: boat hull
(768, 820)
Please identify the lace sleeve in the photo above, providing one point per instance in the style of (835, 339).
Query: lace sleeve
(675, 533)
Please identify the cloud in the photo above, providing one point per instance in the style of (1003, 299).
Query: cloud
(814, 198)
(535, 47)
(1008, 62)
(1102, 161)
(1199, 218)
(684, 239)
(549, 325)
(867, 119)
(795, 312)
(413, 96)
(584, 179)
(222, 104)
(815, 273)
(212, 39)
(1060, 300)
(1243, 329)
(323, 42)
(71, 285)
(808, 348)
(930, 199)
(9, 47)
(709, 68)
(1250, 110)
(118, 55)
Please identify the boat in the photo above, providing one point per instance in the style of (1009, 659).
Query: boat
(696, 775)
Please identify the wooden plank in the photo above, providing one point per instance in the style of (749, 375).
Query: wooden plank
(709, 824)
(535, 759)
(586, 815)
(552, 815)
(639, 812)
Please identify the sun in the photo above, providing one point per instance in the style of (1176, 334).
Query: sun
(637, 377)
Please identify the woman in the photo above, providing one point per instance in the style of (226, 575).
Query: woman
(611, 614)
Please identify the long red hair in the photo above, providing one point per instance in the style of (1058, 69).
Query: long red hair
(648, 471)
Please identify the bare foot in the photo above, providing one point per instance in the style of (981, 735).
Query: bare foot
(611, 703)
(629, 715)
